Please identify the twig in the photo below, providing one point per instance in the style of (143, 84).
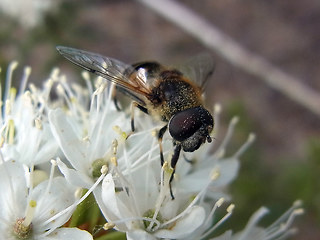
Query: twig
(229, 49)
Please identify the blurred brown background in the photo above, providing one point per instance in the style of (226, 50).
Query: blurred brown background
(284, 163)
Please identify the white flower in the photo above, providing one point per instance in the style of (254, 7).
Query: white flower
(86, 137)
(32, 212)
(136, 198)
(134, 209)
(93, 138)
(135, 195)
(25, 133)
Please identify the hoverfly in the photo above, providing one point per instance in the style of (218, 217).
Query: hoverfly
(164, 93)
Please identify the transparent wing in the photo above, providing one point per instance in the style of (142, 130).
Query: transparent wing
(198, 69)
(110, 69)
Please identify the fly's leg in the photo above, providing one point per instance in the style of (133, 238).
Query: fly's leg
(174, 158)
(116, 102)
(174, 161)
(133, 106)
(113, 91)
(191, 161)
(160, 136)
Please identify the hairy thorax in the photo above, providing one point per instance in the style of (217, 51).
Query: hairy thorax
(174, 94)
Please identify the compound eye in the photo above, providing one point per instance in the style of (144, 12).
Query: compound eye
(184, 124)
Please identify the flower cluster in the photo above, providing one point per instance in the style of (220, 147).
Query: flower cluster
(80, 131)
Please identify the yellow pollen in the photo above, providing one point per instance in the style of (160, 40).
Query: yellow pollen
(108, 226)
(29, 213)
(114, 146)
(220, 202)
(154, 133)
(11, 131)
(215, 174)
(21, 230)
(13, 93)
(38, 123)
(230, 208)
(73, 99)
(97, 165)
(118, 130)
(8, 107)
(104, 169)
(299, 211)
(2, 140)
(114, 160)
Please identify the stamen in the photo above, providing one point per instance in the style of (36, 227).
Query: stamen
(220, 153)
(97, 166)
(215, 174)
(11, 68)
(152, 217)
(48, 84)
(7, 107)
(220, 222)
(254, 219)
(67, 89)
(245, 146)
(114, 146)
(2, 141)
(217, 108)
(108, 226)
(50, 180)
(216, 114)
(38, 123)
(166, 172)
(101, 88)
(283, 224)
(31, 208)
(186, 210)
(86, 76)
(114, 161)
(230, 208)
(72, 206)
(20, 230)
(104, 169)
(11, 131)
(228, 135)
(54, 73)
(143, 219)
(78, 193)
(296, 205)
(33, 88)
(12, 94)
(62, 92)
(49, 184)
(213, 210)
(118, 130)
(26, 75)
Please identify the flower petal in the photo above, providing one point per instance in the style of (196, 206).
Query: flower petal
(74, 149)
(112, 208)
(68, 233)
(184, 226)
(13, 188)
(74, 177)
(139, 234)
(49, 203)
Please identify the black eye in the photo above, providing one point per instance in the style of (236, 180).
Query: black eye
(185, 123)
